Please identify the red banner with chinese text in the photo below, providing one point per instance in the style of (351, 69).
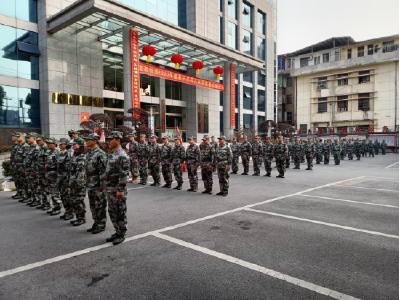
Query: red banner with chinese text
(179, 77)
(135, 68)
(232, 96)
(163, 115)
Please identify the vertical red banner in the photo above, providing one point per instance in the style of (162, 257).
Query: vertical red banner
(163, 115)
(233, 96)
(135, 68)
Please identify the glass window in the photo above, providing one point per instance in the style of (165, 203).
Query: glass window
(363, 101)
(232, 35)
(221, 39)
(261, 22)
(236, 120)
(19, 107)
(261, 48)
(360, 51)
(113, 72)
(221, 98)
(113, 103)
(221, 121)
(247, 98)
(21, 9)
(260, 119)
(289, 116)
(247, 42)
(261, 77)
(149, 85)
(322, 83)
(289, 82)
(220, 5)
(173, 90)
(247, 121)
(232, 8)
(303, 62)
(261, 100)
(342, 103)
(325, 57)
(364, 77)
(247, 14)
(322, 105)
(289, 99)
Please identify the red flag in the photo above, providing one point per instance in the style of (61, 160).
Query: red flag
(180, 139)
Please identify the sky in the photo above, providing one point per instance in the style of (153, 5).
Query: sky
(302, 23)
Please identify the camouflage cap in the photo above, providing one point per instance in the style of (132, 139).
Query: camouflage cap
(257, 137)
(280, 137)
(32, 134)
(222, 137)
(143, 135)
(51, 141)
(191, 138)
(78, 141)
(206, 137)
(115, 135)
(92, 136)
(131, 134)
(177, 137)
(336, 140)
(154, 136)
(17, 133)
(40, 138)
(165, 137)
(64, 141)
(73, 131)
(213, 136)
(297, 138)
(267, 138)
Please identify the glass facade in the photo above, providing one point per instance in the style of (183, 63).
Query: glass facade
(232, 35)
(19, 107)
(21, 9)
(247, 98)
(247, 121)
(232, 12)
(149, 85)
(261, 48)
(113, 72)
(174, 90)
(247, 42)
(261, 100)
(13, 61)
(261, 22)
(247, 14)
(248, 77)
(261, 78)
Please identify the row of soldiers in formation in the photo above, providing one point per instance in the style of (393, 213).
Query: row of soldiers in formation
(44, 173)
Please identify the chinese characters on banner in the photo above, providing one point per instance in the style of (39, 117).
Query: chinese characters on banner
(163, 115)
(179, 77)
(232, 96)
(135, 68)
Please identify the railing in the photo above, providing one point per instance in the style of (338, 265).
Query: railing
(390, 48)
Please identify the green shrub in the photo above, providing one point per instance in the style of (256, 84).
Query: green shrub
(5, 149)
(7, 168)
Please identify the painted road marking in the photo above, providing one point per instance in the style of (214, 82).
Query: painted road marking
(360, 187)
(304, 284)
(323, 223)
(352, 201)
(388, 167)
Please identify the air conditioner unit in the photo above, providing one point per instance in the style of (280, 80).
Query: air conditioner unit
(310, 57)
(230, 2)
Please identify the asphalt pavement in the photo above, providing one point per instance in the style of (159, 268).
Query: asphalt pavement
(330, 233)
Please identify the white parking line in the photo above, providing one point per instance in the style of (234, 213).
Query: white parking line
(361, 187)
(388, 167)
(81, 252)
(136, 188)
(323, 223)
(301, 283)
(352, 201)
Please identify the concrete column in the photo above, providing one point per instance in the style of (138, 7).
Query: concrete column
(226, 113)
(162, 97)
(254, 97)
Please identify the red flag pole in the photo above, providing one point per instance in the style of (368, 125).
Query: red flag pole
(180, 139)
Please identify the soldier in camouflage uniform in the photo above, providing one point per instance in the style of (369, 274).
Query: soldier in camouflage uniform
(257, 153)
(383, 147)
(343, 146)
(280, 154)
(133, 146)
(143, 154)
(78, 181)
(117, 174)
(178, 158)
(155, 161)
(14, 149)
(96, 161)
(166, 162)
(207, 163)
(44, 187)
(336, 149)
(318, 151)
(357, 149)
(245, 153)
(235, 148)
(31, 168)
(377, 145)
(19, 166)
(51, 175)
(326, 152)
(289, 145)
(350, 149)
(193, 162)
(297, 150)
(303, 159)
(268, 154)
(223, 161)
(214, 144)
(309, 150)
(370, 149)
(63, 160)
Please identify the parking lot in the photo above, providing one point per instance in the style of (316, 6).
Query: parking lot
(328, 233)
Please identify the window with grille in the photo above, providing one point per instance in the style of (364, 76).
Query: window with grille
(349, 53)
(322, 104)
(322, 84)
(325, 57)
(364, 77)
(289, 99)
(370, 49)
(342, 103)
(343, 81)
(317, 60)
(289, 81)
(303, 127)
(360, 51)
(289, 116)
(363, 101)
(303, 62)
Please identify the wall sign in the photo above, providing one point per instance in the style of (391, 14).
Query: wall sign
(232, 96)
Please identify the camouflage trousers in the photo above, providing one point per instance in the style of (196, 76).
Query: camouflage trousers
(19, 180)
(155, 172)
(371, 153)
(310, 159)
(383, 151)
(142, 170)
(207, 176)
(98, 206)
(223, 177)
(54, 194)
(342, 154)
(245, 163)
(336, 157)
(350, 155)
(268, 165)
(280, 165)
(117, 210)
(63, 187)
(78, 202)
(178, 172)
(377, 151)
(34, 188)
(44, 190)
(358, 154)
(326, 158)
(297, 159)
(256, 164)
(166, 172)
(134, 169)
(235, 164)
(287, 163)
(192, 174)
(318, 158)
(302, 158)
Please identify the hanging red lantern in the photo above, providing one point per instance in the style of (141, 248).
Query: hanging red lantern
(320, 130)
(371, 129)
(149, 51)
(198, 65)
(357, 129)
(177, 59)
(344, 130)
(299, 131)
(385, 129)
(309, 131)
(218, 70)
(332, 130)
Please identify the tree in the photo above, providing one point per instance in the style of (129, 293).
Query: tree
(276, 129)
(139, 119)
(97, 124)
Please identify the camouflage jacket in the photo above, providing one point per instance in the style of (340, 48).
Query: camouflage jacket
(309, 149)
(63, 160)
(257, 149)
(343, 146)
(154, 153)
(13, 152)
(207, 155)
(20, 154)
(178, 154)
(142, 151)
(117, 171)
(289, 145)
(193, 155)
(77, 171)
(358, 146)
(336, 148)
(268, 150)
(235, 148)
(325, 149)
(51, 165)
(280, 150)
(383, 145)
(350, 146)
(214, 145)
(245, 149)
(96, 161)
(223, 156)
(297, 150)
(31, 159)
(318, 148)
(133, 147)
(42, 159)
(166, 154)
(377, 145)
(368, 146)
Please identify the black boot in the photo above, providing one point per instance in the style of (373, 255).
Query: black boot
(219, 194)
(79, 222)
(94, 226)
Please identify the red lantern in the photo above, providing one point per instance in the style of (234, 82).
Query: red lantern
(385, 129)
(344, 130)
(371, 129)
(309, 131)
(149, 51)
(198, 65)
(218, 70)
(332, 130)
(299, 131)
(320, 130)
(177, 59)
(357, 129)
